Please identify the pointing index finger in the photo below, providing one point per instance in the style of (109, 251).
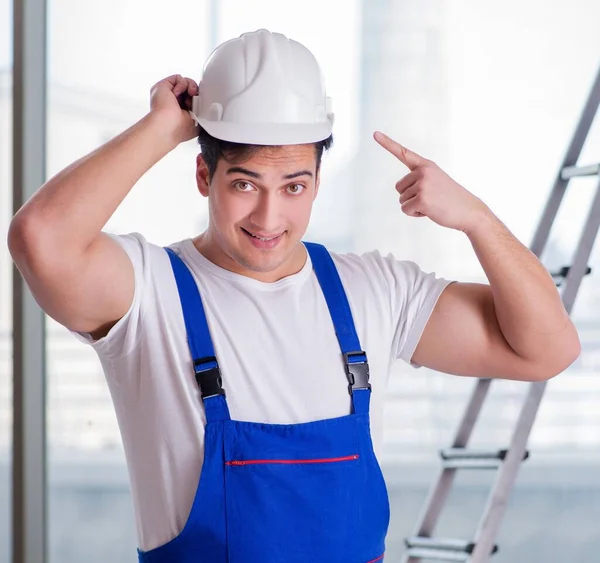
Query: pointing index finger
(407, 157)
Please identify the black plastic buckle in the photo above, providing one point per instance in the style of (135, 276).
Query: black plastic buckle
(357, 372)
(208, 379)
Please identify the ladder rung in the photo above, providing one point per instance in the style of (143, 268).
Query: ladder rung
(464, 453)
(462, 458)
(436, 554)
(445, 549)
(572, 171)
(471, 463)
(448, 544)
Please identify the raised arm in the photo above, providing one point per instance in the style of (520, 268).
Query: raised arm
(514, 328)
(77, 274)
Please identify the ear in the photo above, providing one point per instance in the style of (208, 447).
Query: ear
(202, 175)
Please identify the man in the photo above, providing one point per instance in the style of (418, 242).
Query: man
(247, 357)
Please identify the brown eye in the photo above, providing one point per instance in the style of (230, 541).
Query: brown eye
(295, 189)
(242, 186)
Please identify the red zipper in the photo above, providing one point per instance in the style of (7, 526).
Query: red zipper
(291, 461)
(377, 559)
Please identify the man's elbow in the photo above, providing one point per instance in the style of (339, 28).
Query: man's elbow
(560, 356)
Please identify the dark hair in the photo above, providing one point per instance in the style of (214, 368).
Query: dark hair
(214, 149)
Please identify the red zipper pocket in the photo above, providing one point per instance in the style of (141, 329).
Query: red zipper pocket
(238, 463)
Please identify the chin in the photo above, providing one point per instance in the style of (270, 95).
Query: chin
(262, 261)
(262, 265)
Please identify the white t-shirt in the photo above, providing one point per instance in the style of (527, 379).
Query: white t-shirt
(277, 350)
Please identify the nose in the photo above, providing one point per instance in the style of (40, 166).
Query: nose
(266, 214)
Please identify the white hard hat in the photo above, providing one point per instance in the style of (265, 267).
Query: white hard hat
(265, 89)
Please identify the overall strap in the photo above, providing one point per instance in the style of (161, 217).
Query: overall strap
(206, 367)
(355, 359)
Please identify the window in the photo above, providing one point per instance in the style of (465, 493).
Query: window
(95, 92)
(443, 80)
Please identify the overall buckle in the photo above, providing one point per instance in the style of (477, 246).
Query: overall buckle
(357, 371)
(208, 379)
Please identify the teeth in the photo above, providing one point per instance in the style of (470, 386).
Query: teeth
(261, 238)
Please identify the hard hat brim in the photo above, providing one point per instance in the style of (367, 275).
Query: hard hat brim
(269, 134)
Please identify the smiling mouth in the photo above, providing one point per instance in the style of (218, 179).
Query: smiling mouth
(264, 239)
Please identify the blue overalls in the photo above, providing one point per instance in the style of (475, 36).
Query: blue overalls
(282, 493)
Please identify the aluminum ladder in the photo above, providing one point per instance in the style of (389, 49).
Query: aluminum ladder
(422, 545)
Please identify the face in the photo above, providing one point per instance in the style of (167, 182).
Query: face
(259, 211)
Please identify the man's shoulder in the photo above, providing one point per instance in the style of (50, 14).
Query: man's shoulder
(363, 272)
(356, 257)
(378, 271)
(136, 243)
(370, 262)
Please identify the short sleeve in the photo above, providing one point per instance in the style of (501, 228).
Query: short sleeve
(124, 336)
(413, 296)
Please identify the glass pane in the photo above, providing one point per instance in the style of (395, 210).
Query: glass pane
(5, 279)
(96, 91)
(440, 78)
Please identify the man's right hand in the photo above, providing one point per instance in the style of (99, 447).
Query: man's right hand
(164, 103)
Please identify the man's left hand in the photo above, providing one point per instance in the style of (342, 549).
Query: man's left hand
(427, 191)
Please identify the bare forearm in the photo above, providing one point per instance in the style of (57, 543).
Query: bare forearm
(70, 210)
(528, 307)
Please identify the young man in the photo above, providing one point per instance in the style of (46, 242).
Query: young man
(249, 357)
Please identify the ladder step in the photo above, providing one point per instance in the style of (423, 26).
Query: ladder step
(448, 544)
(462, 458)
(444, 549)
(471, 463)
(435, 554)
(572, 171)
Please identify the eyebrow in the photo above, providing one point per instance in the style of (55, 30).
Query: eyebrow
(252, 174)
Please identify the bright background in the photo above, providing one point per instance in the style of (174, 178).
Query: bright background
(489, 91)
